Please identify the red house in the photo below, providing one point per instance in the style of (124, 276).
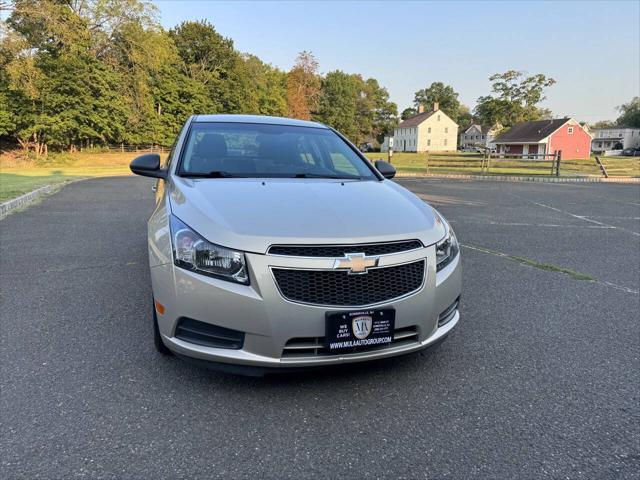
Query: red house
(546, 137)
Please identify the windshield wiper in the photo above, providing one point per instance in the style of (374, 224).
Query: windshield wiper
(214, 174)
(322, 175)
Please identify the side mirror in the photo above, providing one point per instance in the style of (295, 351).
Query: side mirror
(386, 169)
(148, 166)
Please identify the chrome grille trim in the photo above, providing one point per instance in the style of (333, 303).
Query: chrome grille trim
(339, 250)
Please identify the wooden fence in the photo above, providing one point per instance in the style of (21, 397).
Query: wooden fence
(487, 162)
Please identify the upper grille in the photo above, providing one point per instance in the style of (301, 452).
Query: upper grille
(340, 288)
(341, 250)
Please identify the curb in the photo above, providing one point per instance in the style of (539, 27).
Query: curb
(496, 178)
(24, 199)
(27, 198)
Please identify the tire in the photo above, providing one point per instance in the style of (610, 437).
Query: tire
(157, 338)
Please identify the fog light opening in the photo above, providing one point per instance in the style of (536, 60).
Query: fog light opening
(446, 316)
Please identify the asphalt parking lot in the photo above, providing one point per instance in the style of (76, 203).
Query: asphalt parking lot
(540, 380)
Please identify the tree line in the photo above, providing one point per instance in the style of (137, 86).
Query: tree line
(515, 97)
(78, 73)
(82, 73)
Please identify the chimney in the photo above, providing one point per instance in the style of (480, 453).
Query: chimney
(436, 106)
(420, 108)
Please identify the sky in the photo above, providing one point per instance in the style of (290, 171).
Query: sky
(591, 48)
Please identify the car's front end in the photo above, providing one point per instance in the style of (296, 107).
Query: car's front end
(277, 273)
(279, 318)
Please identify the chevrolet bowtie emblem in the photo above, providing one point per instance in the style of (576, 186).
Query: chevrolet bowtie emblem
(356, 262)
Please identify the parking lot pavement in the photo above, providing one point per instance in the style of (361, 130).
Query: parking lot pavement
(540, 380)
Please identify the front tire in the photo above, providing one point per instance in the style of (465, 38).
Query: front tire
(157, 338)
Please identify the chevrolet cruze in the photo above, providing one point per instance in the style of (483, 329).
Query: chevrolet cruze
(275, 244)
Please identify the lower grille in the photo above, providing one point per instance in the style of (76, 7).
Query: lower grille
(341, 289)
(314, 346)
(208, 335)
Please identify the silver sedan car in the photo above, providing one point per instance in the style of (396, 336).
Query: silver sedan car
(275, 244)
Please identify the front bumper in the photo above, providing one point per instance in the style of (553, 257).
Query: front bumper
(269, 321)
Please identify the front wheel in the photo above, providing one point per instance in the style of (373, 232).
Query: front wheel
(157, 338)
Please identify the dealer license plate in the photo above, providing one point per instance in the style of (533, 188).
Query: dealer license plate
(362, 328)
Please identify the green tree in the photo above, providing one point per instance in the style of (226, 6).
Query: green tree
(338, 105)
(515, 98)
(604, 124)
(358, 108)
(465, 118)
(444, 95)
(378, 116)
(265, 87)
(408, 112)
(630, 114)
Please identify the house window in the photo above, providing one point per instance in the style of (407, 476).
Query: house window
(570, 130)
(428, 142)
(620, 135)
(446, 129)
(429, 130)
(445, 142)
(477, 137)
(599, 144)
(438, 117)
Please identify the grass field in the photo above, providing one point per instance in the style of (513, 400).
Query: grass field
(471, 164)
(18, 176)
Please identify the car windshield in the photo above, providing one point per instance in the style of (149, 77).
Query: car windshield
(218, 150)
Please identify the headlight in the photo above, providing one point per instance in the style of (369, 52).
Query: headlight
(192, 252)
(447, 248)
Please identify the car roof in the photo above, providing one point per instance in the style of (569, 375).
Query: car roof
(265, 119)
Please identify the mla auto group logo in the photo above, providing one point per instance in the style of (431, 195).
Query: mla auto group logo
(361, 326)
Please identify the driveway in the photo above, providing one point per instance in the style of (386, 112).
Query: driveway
(540, 380)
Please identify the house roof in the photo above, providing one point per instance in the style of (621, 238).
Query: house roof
(484, 129)
(531, 131)
(415, 120)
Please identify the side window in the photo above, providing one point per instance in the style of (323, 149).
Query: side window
(570, 130)
(429, 130)
(446, 129)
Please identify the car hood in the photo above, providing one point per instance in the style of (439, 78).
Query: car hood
(252, 214)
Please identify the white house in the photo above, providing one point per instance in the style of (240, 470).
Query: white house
(615, 139)
(478, 135)
(425, 132)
